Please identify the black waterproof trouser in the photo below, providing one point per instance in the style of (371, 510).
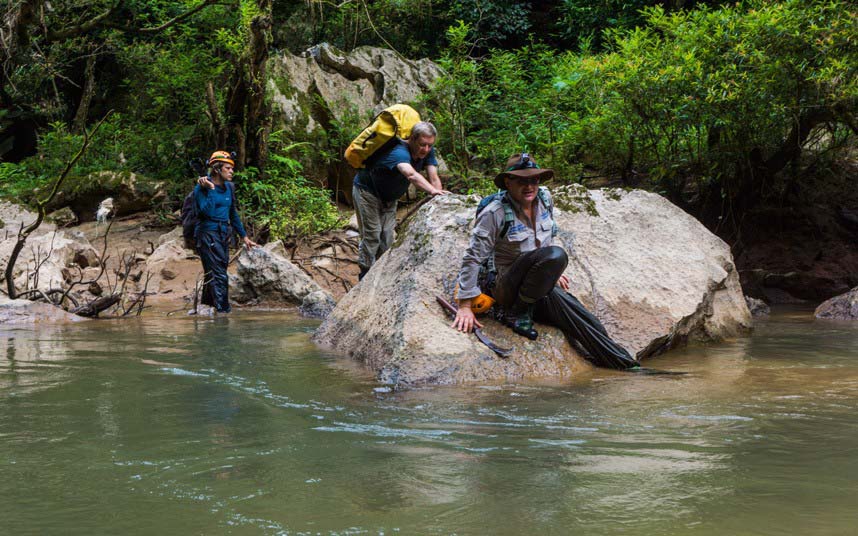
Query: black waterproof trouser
(213, 247)
(532, 278)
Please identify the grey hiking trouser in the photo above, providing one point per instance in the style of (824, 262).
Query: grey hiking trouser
(376, 223)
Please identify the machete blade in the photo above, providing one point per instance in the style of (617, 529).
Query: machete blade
(501, 352)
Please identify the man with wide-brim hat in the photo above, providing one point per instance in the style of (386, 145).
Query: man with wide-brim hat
(522, 165)
(513, 239)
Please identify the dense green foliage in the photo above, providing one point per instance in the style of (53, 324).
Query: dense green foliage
(156, 81)
(717, 97)
(704, 105)
(722, 106)
(286, 202)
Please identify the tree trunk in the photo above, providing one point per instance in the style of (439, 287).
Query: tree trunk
(96, 306)
(220, 134)
(247, 117)
(14, 34)
(86, 97)
(258, 118)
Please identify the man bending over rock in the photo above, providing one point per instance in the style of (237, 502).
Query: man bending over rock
(384, 180)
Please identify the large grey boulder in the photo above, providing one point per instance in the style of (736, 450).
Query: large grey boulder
(650, 272)
(325, 84)
(843, 307)
(265, 276)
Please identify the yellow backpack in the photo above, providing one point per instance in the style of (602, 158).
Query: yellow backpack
(392, 122)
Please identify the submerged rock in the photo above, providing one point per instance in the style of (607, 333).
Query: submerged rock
(757, 307)
(651, 273)
(843, 307)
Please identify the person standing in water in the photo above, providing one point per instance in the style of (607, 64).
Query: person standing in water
(214, 196)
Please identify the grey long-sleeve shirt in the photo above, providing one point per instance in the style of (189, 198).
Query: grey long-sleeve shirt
(486, 241)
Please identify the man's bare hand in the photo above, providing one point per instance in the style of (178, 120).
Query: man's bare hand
(465, 320)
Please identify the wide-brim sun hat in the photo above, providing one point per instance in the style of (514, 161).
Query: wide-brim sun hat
(522, 165)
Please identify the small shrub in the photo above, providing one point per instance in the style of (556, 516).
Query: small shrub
(284, 200)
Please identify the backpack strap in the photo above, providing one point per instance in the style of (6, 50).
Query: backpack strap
(546, 201)
(508, 215)
(231, 187)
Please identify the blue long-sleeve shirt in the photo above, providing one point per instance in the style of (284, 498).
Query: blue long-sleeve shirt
(215, 209)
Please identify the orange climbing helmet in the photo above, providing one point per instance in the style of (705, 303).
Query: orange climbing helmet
(222, 157)
(479, 304)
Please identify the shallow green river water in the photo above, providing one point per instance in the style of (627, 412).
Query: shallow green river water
(240, 425)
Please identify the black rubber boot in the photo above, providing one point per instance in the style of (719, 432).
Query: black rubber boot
(520, 319)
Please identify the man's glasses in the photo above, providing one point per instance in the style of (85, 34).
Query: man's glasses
(526, 181)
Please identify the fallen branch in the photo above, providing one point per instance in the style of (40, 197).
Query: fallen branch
(346, 285)
(94, 307)
(302, 259)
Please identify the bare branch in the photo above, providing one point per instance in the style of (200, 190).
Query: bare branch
(24, 233)
(90, 24)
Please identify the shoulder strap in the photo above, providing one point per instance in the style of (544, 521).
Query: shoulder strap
(546, 201)
(508, 215)
(231, 187)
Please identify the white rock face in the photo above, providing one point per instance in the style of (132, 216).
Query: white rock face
(46, 254)
(12, 216)
(175, 234)
(265, 276)
(650, 272)
(169, 261)
(653, 274)
(364, 81)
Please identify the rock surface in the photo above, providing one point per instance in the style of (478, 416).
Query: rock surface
(64, 217)
(317, 304)
(12, 216)
(130, 192)
(28, 312)
(309, 91)
(803, 254)
(56, 253)
(843, 307)
(264, 276)
(325, 87)
(757, 307)
(652, 274)
(172, 267)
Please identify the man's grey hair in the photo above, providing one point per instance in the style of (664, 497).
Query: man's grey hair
(423, 128)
